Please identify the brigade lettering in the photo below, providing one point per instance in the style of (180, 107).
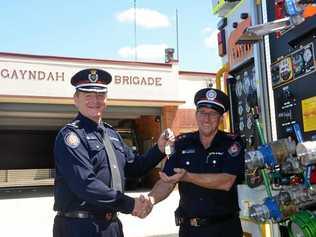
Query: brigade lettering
(31, 75)
(136, 80)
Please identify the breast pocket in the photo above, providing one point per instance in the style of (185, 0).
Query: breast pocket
(95, 147)
(213, 163)
(117, 146)
(189, 162)
(120, 153)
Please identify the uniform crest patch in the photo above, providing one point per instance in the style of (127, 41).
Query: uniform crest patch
(234, 149)
(72, 140)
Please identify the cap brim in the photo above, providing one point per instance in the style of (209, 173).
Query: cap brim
(93, 89)
(219, 109)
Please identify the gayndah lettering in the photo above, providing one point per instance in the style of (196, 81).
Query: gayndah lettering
(31, 75)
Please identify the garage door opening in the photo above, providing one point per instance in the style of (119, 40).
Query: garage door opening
(27, 143)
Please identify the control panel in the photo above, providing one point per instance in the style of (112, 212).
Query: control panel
(243, 92)
(294, 83)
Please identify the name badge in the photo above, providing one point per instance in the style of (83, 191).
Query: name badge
(188, 151)
(217, 153)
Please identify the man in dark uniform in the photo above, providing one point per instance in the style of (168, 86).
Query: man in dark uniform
(207, 164)
(91, 162)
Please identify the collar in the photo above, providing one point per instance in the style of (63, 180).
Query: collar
(86, 122)
(196, 136)
(217, 140)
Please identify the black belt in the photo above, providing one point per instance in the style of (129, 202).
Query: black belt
(207, 221)
(108, 216)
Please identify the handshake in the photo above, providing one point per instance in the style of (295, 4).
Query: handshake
(143, 206)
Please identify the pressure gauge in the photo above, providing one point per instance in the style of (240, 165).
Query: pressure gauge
(286, 69)
(275, 73)
(249, 122)
(247, 108)
(238, 88)
(241, 126)
(307, 55)
(246, 83)
(240, 110)
(298, 64)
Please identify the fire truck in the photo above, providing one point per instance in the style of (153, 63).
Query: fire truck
(269, 72)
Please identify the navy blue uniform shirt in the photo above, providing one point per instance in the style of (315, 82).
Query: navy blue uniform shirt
(225, 155)
(83, 176)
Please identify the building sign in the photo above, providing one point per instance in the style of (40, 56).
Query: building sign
(52, 79)
(136, 80)
(31, 75)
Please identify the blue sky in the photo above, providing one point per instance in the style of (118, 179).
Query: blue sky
(104, 29)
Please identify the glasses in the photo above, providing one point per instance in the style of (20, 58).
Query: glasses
(211, 115)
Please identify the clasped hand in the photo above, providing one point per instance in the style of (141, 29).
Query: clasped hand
(143, 206)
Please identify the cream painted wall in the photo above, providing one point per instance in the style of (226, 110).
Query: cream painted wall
(188, 86)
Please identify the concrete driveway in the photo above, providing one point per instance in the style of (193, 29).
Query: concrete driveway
(29, 213)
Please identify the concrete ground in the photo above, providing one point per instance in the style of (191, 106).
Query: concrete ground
(29, 213)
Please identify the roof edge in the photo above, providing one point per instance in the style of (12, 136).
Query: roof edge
(76, 59)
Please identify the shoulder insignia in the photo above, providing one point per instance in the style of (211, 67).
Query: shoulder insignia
(72, 140)
(184, 135)
(107, 125)
(181, 136)
(234, 149)
(74, 124)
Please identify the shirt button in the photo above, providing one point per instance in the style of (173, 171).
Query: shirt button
(214, 162)
(98, 146)
(187, 163)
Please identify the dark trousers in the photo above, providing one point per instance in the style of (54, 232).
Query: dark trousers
(74, 227)
(230, 228)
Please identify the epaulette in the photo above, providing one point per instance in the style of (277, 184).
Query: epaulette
(183, 140)
(232, 136)
(74, 124)
(184, 136)
(107, 125)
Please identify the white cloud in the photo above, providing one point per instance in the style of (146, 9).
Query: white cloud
(144, 17)
(207, 30)
(145, 52)
(211, 40)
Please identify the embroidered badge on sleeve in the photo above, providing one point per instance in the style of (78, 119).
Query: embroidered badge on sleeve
(72, 140)
(234, 149)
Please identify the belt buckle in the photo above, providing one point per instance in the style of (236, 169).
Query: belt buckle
(194, 222)
(80, 215)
